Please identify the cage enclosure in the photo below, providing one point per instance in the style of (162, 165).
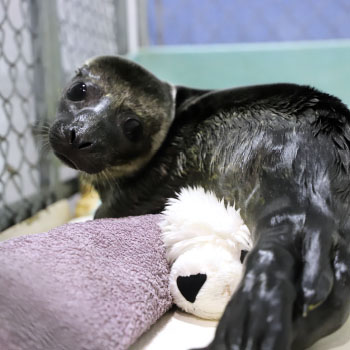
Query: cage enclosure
(205, 44)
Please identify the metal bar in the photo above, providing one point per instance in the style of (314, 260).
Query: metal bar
(120, 26)
(143, 32)
(48, 75)
(132, 26)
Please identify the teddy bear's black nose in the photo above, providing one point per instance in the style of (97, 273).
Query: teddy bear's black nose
(189, 286)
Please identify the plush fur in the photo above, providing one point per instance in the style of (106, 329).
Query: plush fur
(204, 236)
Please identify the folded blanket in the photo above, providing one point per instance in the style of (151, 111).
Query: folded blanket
(96, 285)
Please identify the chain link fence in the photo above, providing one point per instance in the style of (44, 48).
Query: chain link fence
(19, 174)
(41, 44)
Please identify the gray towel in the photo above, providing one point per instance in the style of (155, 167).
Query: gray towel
(96, 285)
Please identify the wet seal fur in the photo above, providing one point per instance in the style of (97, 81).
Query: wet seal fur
(280, 152)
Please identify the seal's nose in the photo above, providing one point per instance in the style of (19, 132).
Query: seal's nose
(189, 286)
(77, 146)
(78, 142)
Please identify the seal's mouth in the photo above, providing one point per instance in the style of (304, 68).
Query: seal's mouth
(66, 160)
(87, 165)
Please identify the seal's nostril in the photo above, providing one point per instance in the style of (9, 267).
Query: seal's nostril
(72, 136)
(84, 145)
(76, 140)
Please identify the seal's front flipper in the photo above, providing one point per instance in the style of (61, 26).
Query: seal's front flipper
(317, 275)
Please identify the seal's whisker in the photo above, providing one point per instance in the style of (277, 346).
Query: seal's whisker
(113, 180)
(39, 129)
(44, 147)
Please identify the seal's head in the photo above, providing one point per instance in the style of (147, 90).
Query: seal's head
(113, 115)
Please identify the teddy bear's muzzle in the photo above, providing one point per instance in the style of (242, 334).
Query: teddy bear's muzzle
(189, 286)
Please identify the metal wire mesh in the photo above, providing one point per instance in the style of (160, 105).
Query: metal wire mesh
(28, 66)
(87, 29)
(225, 21)
(19, 174)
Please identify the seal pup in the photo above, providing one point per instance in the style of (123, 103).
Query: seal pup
(279, 152)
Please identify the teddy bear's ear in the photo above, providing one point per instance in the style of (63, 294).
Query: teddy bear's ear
(198, 217)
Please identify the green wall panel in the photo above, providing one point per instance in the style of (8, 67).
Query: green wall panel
(323, 64)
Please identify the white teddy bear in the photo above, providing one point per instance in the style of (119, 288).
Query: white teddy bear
(205, 242)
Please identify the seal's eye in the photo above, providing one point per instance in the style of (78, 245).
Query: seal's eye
(132, 129)
(77, 92)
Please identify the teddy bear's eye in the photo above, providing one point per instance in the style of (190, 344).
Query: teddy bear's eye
(243, 255)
